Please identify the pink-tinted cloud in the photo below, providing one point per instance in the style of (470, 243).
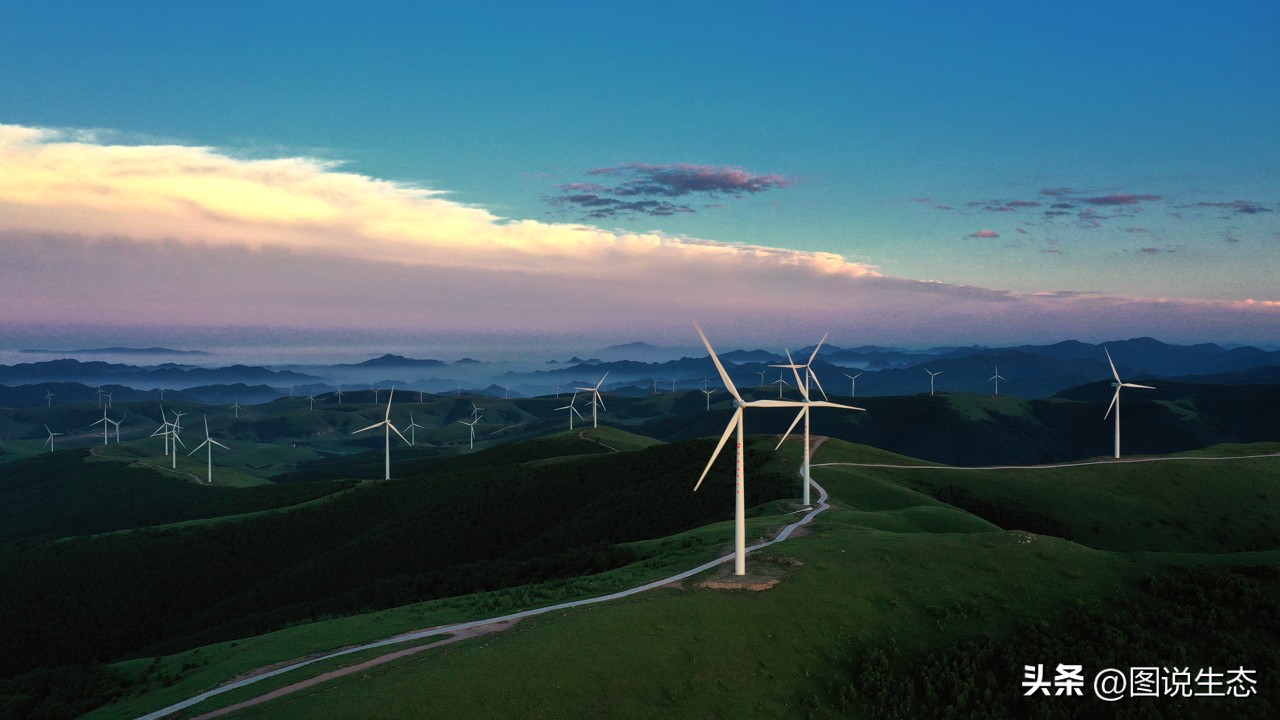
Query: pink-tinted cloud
(296, 243)
(1245, 207)
(984, 234)
(1058, 191)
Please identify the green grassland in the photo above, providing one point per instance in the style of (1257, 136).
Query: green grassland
(891, 574)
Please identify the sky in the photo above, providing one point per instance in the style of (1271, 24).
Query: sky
(908, 174)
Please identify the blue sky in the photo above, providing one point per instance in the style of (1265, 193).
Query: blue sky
(927, 142)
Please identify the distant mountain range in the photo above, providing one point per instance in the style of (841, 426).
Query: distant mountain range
(1027, 371)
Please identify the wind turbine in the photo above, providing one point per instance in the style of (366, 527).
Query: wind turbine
(209, 443)
(655, 386)
(475, 410)
(735, 424)
(375, 393)
(312, 399)
(803, 386)
(1115, 399)
(236, 407)
(339, 394)
(572, 410)
(48, 398)
(853, 383)
(932, 375)
(595, 399)
(52, 434)
(108, 399)
(117, 424)
(998, 377)
(104, 422)
(472, 425)
(460, 388)
(413, 437)
(176, 430)
(761, 374)
(673, 384)
(163, 430)
(708, 393)
(386, 421)
(780, 382)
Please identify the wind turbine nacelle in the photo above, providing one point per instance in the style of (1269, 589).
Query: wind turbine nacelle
(1115, 384)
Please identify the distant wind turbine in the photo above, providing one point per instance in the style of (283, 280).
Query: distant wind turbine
(48, 398)
(386, 422)
(208, 443)
(176, 430)
(932, 375)
(780, 382)
(1115, 399)
(803, 386)
(104, 422)
(375, 394)
(108, 399)
(236, 407)
(472, 425)
(164, 430)
(596, 400)
(735, 424)
(312, 399)
(853, 383)
(413, 437)
(997, 377)
(761, 374)
(572, 410)
(52, 434)
(339, 394)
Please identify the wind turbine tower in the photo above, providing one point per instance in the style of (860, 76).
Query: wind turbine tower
(1115, 399)
(932, 375)
(413, 438)
(208, 443)
(472, 425)
(735, 425)
(572, 410)
(803, 386)
(596, 400)
(386, 422)
(997, 377)
(853, 383)
(48, 398)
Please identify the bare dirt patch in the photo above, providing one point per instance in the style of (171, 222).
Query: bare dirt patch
(762, 573)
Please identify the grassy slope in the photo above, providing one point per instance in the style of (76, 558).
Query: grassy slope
(889, 561)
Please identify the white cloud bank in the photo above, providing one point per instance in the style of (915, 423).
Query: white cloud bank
(99, 233)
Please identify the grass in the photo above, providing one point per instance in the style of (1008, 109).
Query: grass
(889, 562)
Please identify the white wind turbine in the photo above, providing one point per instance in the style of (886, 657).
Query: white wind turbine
(176, 430)
(803, 385)
(339, 394)
(997, 377)
(312, 399)
(117, 424)
(932, 375)
(780, 382)
(108, 399)
(1115, 399)
(48, 398)
(104, 422)
(761, 374)
(375, 393)
(475, 410)
(572, 410)
(386, 421)
(735, 424)
(208, 443)
(707, 392)
(52, 434)
(853, 383)
(413, 438)
(237, 408)
(472, 425)
(164, 430)
(596, 399)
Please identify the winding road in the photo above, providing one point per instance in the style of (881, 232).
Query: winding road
(466, 629)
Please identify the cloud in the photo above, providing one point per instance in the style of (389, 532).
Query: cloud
(984, 234)
(1155, 250)
(654, 182)
(177, 235)
(1241, 206)
(1058, 191)
(1120, 199)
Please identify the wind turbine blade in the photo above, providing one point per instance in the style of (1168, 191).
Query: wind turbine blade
(601, 382)
(817, 347)
(193, 452)
(95, 422)
(783, 439)
(215, 442)
(1114, 399)
(728, 384)
(178, 439)
(575, 412)
(1146, 387)
(733, 425)
(823, 403)
(1111, 363)
(804, 392)
(814, 376)
(773, 403)
(600, 399)
(369, 428)
(393, 394)
(402, 437)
